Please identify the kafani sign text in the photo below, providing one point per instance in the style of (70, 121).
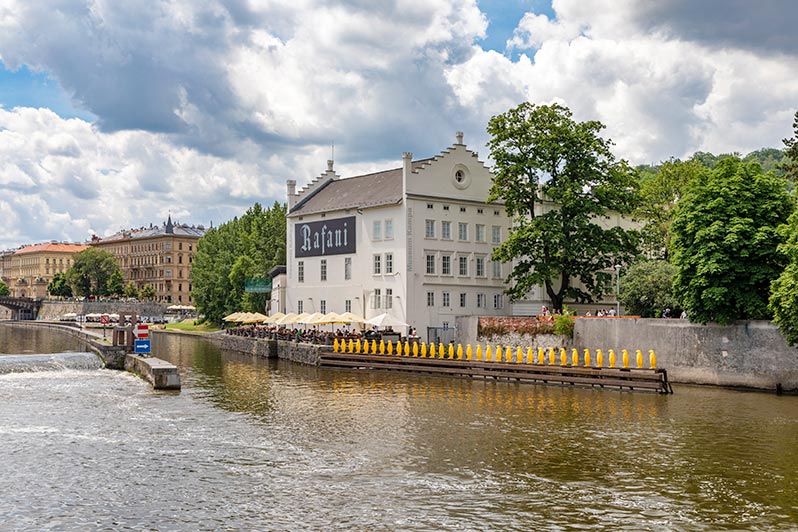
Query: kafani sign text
(325, 237)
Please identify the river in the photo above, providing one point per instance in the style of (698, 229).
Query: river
(270, 445)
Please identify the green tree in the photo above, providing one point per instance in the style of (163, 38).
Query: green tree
(790, 162)
(116, 284)
(147, 292)
(4, 291)
(91, 270)
(725, 242)
(784, 290)
(659, 195)
(244, 248)
(558, 180)
(131, 290)
(59, 287)
(647, 288)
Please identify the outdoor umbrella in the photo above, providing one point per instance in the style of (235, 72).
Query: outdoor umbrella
(385, 320)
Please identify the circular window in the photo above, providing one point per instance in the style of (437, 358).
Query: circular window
(461, 178)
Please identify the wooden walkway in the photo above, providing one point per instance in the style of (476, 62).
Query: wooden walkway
(636, 379)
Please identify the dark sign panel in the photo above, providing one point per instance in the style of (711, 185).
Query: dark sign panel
(325, 237)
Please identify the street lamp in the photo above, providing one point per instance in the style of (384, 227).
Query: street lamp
(618, 289)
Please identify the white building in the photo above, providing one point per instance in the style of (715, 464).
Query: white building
(413, 241)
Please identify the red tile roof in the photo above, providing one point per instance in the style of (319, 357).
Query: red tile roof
(52, 248)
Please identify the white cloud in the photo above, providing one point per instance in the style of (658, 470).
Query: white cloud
(205, 107)
(659, 96)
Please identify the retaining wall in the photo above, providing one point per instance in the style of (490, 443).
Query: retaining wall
(261, 347)
(53, 310)
(750, 354)
(468, 328)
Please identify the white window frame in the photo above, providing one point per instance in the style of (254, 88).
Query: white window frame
(429, 259)
(429, 228)
(462, 265)
(388, 229)
(323, 270)
(347, 268)
(446, 230)
(446, 300)
(377, 264)
(463, 299)
(300, 271)
(480, 267)
(376, 230)
(480, 233)
(496, 234)
(388, 263)
(430, 299)
(462, 231)
(388, 298)
(446, 264)
(377, 296)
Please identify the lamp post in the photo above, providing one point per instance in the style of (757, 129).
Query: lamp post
(618, 289)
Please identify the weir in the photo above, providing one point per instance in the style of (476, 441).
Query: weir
(49, 362)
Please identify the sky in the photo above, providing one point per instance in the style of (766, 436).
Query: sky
(118, 114)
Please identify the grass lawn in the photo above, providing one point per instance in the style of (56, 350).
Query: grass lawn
(190, 326)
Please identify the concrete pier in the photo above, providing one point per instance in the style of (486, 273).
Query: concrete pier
(160, 373)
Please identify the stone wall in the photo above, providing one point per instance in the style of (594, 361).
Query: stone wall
(749, 354)
(515, 331)
(261, 347)
(53, 310)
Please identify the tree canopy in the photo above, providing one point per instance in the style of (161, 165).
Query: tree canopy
(725, 242)
(647, 288)
(59, 286)
(4, 291)
(91, 271)
(659, 194)
(558, 179)
(784, 290)
(244, 248)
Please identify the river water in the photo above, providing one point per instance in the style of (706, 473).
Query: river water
(266, 445)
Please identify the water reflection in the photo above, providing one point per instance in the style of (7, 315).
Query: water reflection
(251, 444)
(701, 459)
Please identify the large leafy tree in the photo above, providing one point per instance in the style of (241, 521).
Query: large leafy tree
(245, 248)
(4, 291)
(91, 270)
(647, 288)
(558, 179)
(790, 162)
(131, 290)
(725, 242)
(116, 284)
(59, 286)
(784, 290)
(147, 292)
(659, 195)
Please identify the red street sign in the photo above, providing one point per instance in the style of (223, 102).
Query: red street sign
(105, 319)
(142, 331)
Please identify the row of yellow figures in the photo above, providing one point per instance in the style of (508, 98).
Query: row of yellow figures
(501, 355)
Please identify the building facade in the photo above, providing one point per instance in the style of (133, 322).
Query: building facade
(414, 242)
(159, 256)
(33, 267)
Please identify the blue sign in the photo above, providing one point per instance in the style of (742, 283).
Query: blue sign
(141, 347)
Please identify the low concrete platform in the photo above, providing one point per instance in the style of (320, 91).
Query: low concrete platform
(160, 373)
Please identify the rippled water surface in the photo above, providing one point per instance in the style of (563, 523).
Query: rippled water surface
(261, 445)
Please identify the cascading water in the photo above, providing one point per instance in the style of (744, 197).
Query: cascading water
(50, 362)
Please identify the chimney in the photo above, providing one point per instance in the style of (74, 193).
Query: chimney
(291, 186)
(330, 163)
(459, 135)
(407, 168)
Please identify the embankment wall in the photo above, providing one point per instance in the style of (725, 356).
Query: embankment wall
(750, 354)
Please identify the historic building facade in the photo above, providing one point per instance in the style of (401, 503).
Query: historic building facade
(413, 241)
(159, 256)
(33, 267)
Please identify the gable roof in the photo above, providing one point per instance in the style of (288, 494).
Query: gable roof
(359, 192)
